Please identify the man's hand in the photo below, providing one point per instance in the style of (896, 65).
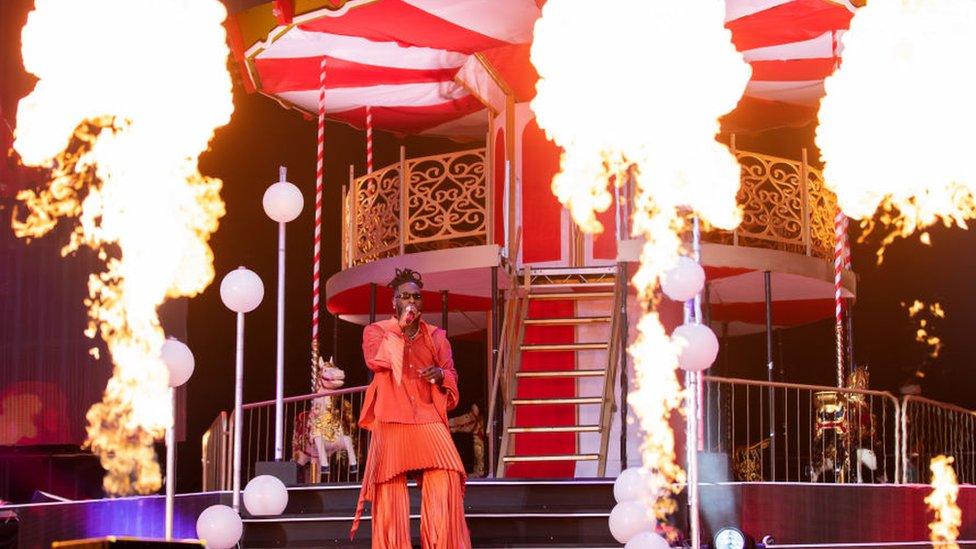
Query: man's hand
(433, 374)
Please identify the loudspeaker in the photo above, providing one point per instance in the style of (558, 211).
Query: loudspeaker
(112, 542)
(286, 471)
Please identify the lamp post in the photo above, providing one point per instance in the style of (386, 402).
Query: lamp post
(283, 203)
(699, 348)
(241, 291)
(179, 362)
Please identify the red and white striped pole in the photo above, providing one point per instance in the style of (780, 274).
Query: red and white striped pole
(369, 140)
(840, 244)
(316, 254)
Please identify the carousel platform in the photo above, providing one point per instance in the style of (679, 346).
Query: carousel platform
(533, 513)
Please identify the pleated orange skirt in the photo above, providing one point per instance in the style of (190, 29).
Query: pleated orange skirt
(397, 448)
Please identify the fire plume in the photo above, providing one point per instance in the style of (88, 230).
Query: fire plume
(667, 72)
(128, 97)
(926, 317)
(942, 501)
(896, 123)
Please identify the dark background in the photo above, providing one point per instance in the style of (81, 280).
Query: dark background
(246, 153)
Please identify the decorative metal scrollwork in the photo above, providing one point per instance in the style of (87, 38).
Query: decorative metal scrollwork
(377, 211)
(823, 205)
(780, 210)
(785, 207)
(446, 198)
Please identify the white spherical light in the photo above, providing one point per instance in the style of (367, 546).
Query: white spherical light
(283, 202)
(219, 526)
(632, 484)
(265, 495)
(628, 519)
(683, 281)
(178, 360)
(647, 540)
(241, 290)
(699, 346)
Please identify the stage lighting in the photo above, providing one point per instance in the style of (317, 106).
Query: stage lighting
(730, 538)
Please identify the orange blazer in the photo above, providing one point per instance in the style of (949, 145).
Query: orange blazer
(387, 399)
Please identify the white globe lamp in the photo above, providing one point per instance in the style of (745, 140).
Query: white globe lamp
(241, 290)
(628, 519)
(178, 360)
(632, 484)
(683, 281)
(698, 346)
(647, 540)
(265, 495)
(283, 201)
(220, 527)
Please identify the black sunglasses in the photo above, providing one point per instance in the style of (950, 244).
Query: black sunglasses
(416, 296)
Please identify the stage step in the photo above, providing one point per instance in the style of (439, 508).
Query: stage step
(556, 429)
(562, 373)
(573, 284)
(552, 457)
(571, 295)
(592, 327)
(527, 513)
(567, 321)
(587, 346)
(560, 401)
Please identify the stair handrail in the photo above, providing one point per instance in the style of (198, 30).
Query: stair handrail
(609, 380)
(512, 359)
(501, 360)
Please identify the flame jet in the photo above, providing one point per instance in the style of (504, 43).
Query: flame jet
(665, 73)
(121, 112)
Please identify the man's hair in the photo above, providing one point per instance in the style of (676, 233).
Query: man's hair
(403, 276)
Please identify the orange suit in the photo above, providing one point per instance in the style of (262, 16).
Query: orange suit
(407, 417)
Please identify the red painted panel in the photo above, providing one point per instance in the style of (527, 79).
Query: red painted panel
(605, 243)
(541, 212)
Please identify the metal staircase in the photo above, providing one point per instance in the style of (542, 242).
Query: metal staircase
(575, 284)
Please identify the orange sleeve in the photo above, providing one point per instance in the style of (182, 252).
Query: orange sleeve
(445, 360)
(374, 352)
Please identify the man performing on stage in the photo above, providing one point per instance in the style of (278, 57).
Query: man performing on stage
(413, 387)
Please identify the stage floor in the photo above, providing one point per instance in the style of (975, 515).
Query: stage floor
(532, 513)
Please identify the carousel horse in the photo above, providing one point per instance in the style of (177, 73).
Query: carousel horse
(326, 428)
(472, 422)
(844, 429)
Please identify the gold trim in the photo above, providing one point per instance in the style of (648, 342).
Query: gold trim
(477, 96)
(493, 73)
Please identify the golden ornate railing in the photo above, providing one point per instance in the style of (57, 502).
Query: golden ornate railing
(785, 207)
(446, 199)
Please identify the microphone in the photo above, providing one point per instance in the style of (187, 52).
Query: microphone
(409, 314)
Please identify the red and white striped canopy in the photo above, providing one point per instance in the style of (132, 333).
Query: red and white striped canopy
(403, 57)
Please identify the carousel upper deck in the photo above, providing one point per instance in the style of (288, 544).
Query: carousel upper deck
(455, 218)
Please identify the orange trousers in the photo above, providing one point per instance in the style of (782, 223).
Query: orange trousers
(442, 524)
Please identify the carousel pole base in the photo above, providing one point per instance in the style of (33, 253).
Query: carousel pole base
(126, 542)
(285, 471)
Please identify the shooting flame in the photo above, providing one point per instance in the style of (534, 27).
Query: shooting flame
(128, 97)
(923, 333)
(650, 130)
(942, 501)
(896, 123)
